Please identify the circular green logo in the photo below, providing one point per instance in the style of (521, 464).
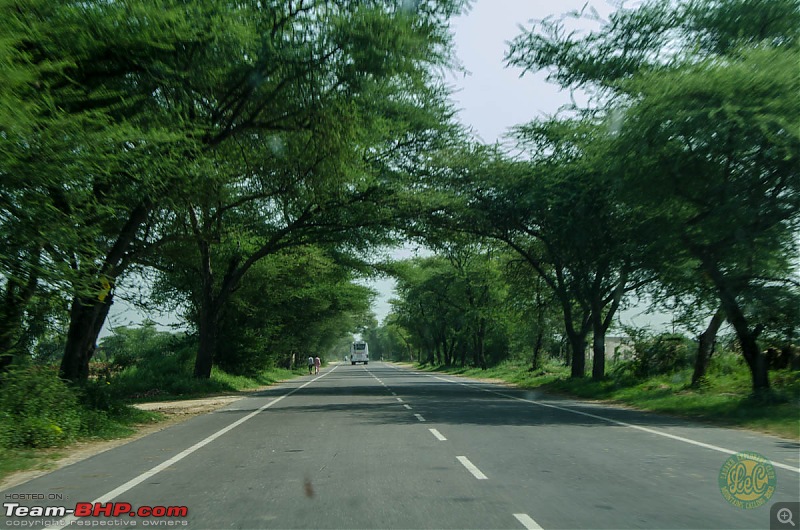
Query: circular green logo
(747, 480)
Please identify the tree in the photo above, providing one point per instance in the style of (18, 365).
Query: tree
(81, 179)
(739, 222)
(702, 101)
(20, 251)
(451, 305)
(315, 153)
(558, 210)
(386, 342)
(147, 101)
(289, 304)
(536, 322)
(425, 310)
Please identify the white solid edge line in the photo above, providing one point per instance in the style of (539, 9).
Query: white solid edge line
(527, 521)
(66, 521)
(438, 435)
(621, 423)
(419, 417)
(471, 468)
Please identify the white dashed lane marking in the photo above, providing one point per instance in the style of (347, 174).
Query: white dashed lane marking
(527, 522)
(471, 468)
(616, 422)
(438, 435)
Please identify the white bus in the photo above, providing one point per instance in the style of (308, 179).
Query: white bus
(359, 352)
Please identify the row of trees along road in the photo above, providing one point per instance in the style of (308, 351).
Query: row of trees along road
(196, 139)
(682, 177)
(469, 304)
(208, 146)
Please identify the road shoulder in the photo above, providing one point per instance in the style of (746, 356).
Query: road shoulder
(174, 412)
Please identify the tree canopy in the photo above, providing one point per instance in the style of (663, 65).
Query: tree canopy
(244, 160)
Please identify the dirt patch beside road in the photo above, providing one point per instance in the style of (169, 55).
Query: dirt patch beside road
(189, 407)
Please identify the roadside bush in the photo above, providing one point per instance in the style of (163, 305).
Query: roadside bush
(726, 363)
(164, 373)
(99, 395)
(37, 409)
(145, 363)
(131, 346)
(245, 353)
(158, 371)
(662, 354)
(623, 372)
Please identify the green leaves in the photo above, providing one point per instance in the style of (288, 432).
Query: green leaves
(242, 129)
(700, 99)
(290, 303)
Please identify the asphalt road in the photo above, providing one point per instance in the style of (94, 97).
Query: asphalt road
(378, 446)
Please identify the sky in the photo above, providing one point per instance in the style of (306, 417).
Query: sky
(491, 98)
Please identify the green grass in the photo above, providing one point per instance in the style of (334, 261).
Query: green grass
(98, 425)
(121, 424)
(12, 460)
(510, 372)
(139, 385)
(106, 413)
(725, 399)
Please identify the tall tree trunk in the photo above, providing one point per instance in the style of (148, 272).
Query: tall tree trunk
(747, 338)
(452, 350)
(600, 324)
(705, 346)
(755, 360)
(208, 312)
(537, 345)
(576, 337)
(598, 355)
(537, 350)
(598, 342)
(480, 341)
(207, 331)
(87, 316)
(577, 343)
(19, 292)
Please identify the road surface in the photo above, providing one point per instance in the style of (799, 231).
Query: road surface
(380, 446)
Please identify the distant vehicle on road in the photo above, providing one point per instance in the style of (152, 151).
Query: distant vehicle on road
(359, 352)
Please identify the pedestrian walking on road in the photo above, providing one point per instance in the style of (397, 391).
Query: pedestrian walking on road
(310, 364)
(317, 364)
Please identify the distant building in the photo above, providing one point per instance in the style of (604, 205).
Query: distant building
(615, 346)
